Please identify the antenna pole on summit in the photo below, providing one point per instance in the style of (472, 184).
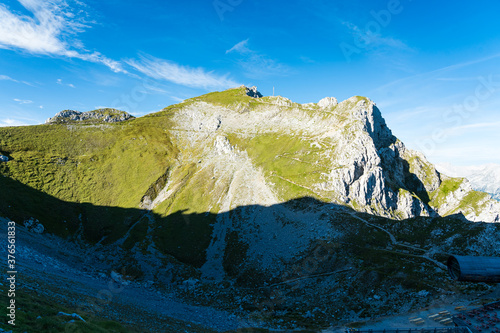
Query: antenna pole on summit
(273, 91)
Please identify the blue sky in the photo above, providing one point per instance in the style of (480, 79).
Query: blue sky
(433, 68)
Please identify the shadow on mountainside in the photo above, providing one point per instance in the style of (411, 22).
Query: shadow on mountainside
(187, 236)
(363, 256)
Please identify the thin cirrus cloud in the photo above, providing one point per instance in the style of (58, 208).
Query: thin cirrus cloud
(161, 69)
(374, 40)
(240, 47)
(481, 126)
(48, 32)
(60, 82)
(22, 101)
(255, 64)
(7, 78)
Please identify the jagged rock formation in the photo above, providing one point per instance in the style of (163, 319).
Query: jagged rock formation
(253, 92)
(99, 115)
(328, 102)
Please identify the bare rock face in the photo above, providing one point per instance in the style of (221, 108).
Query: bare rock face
(252, 92)
(99, 115)
(328, 102)
(222, 146)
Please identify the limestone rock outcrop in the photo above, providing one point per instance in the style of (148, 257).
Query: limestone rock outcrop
(99, 115)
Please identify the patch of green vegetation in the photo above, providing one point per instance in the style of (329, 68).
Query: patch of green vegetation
(420, 168)
(361, 98)
(185, 236)
(39, 314)
(196, 191)
(109, 112)
(293, 164)
(96, 176)
(447, 186)
(110, 165)
(473, 200)
(226, 97)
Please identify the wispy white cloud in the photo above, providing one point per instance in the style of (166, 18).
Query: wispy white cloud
(484, 125)
(257, 65)
(7, 78)
(183, 75)
(438, 71)
(240, 47)
(374, 40)
(50, 31)
(23, 101)
(60, 81)
(456, 79)
(177, 99)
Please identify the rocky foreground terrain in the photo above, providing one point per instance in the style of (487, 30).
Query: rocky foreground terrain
(265, 212)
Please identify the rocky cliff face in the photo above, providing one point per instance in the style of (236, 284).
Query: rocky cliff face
(99, 115)
(342, 153)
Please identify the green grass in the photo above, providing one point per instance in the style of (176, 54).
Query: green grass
(227, 97)
(107, 165)
(429, 172)
(38, 303)
(65, 175)
(472, 201)
(447, 186)
(292, 164)
(36, 313)
(112, 165)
